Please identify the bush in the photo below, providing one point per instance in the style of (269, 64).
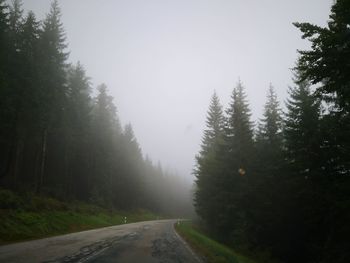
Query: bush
(39, 203)
(9, 200)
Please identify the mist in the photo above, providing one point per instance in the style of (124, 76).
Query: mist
(117, 106)
(62, 136)
(232, 115)
(162, 60)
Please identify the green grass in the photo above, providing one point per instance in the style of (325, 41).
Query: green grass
(25, 225)
(33, 217)
(212, 250)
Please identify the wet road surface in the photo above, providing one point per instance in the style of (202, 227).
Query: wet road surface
(144, 242)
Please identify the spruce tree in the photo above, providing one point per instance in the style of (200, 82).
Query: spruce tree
(27, 96)
(268, 165)
(52, 95)
(269, 139)
(53, 64)
(302, 130)
(327, 61)
(239, 130)
(306, 206)
(14, 88)
(6, 100)
(215, 125)
(106, 133)
(270, 126)
(238, 176)
(130, 172)
(4, 27)
(327, 66)
(77, 132)
(16, 22)
(208, 168)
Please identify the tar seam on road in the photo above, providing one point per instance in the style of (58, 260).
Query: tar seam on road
(187, 246)
(92, 255)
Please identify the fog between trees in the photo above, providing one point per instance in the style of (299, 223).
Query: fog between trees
(61, 138)
(281, 189)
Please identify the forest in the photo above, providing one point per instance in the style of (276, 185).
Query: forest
(281, 187)
(278, 187)
(61, 137)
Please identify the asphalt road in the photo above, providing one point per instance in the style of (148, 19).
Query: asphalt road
(144, 242)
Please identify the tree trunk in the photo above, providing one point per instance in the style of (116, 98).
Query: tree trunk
(36, 169)
(17, 161)
(43, 159)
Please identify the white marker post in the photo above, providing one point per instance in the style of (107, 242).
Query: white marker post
(124, 219)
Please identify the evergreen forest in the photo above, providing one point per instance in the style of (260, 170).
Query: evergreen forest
(277, 188)
(280, 187)
(61, 137)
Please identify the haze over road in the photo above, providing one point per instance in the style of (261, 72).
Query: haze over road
(150, 241)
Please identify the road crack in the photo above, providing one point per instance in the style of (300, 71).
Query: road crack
(87, 252)
(168, 249)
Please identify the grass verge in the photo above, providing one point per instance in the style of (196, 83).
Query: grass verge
(36, 217)
(211, 250)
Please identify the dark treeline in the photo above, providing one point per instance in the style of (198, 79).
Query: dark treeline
(56, 138)
(283, 186)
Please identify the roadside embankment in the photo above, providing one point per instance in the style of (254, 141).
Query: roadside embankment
(211, 250)
(25, 217)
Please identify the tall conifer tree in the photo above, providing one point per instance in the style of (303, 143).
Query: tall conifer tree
(239, 175)
(208, 168)
(239, 129)
(302, 129)
(327, 65)
(53, 90)
(77, 131)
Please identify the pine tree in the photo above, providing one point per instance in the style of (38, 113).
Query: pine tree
(105, 115)
(14, 88)
(238, 175)
(4, 27)
(105, 128)
(78, 94)
(4, 42)
(130, 173)
(53, 64)
(77, 131)
(16, 22)
(269, 139)
(326, 65)
(215, 125)
(303, 191)
(53, 93)
(327, 61)
(6, 105)
(27, 128)
(270, 126)
(302, 130)
(268, 165)
(239, 129)
(208, 163)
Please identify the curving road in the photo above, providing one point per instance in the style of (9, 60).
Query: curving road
(145, 242)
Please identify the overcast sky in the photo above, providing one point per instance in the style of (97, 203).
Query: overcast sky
(162, 60)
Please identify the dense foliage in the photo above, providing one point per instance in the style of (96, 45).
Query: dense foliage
(285, 188)
(56, 138)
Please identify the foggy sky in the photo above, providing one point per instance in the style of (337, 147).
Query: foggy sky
(162, 60)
